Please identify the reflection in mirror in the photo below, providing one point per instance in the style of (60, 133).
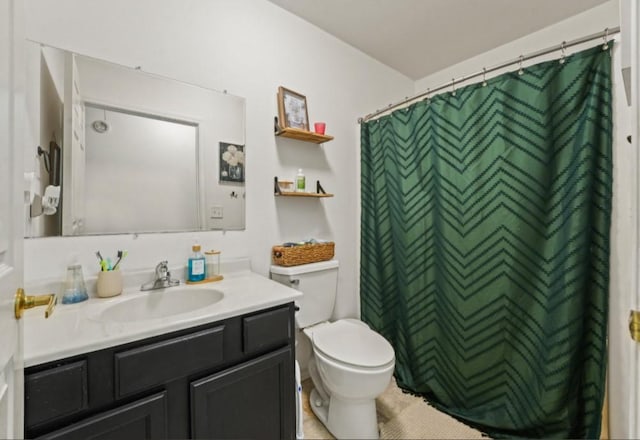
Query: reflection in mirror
(121, 146)
(132, 152)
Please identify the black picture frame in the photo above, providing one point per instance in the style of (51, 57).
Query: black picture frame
(231, 163)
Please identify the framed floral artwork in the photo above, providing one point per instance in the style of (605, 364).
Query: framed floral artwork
(231, 163)
(292, 109)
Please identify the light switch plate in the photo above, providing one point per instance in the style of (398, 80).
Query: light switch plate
(216, 212)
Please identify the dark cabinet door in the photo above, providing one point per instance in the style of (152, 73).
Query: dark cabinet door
(254, 400)
(142, 419)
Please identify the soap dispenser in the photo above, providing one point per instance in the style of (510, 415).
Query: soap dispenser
(196, 269)
(300, 181)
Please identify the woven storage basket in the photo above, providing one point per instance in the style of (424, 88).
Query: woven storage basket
(308, 253)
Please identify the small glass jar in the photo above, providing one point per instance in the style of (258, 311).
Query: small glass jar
(213, 264)
(74, 288)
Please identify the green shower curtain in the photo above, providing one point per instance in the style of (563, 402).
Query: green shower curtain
(485, 246)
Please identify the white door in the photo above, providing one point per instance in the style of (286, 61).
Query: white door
(634, 368)
(73, 152)
(625, 358)
(11, 227)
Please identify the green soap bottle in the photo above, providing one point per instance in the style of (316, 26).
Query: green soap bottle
(300, 181)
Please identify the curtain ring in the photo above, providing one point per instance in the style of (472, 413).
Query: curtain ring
(453, 86)
(520, 61)
(484, 77)
(605, 45)
(426, 95)
(563, 52)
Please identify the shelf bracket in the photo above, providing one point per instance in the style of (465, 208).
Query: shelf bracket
(319, 188)
(276, 188)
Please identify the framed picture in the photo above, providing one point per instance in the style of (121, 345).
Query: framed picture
(231, 162)
(292, 109)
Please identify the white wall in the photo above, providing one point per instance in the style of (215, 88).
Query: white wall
(248, 47)
(622, 253)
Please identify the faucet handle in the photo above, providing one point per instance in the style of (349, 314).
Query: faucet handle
(162, 269)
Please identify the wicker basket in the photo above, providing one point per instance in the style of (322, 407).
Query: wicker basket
(308, 253)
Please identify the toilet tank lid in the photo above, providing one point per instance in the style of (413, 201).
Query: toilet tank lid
(304, 268)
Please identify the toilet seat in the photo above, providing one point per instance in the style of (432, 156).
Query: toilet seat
(352, 343)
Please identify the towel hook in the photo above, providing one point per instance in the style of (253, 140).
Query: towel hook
(562, 52)
(484, 77)
(453, 86)
(520, 61)
(605, 45)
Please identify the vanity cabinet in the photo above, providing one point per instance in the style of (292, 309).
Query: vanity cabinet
(228, 379)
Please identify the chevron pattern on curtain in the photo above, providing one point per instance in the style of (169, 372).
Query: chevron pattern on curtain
(485, 247)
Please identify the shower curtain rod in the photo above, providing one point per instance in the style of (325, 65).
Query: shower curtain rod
(564, 45)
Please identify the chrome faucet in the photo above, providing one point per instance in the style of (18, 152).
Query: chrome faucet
(163, 278)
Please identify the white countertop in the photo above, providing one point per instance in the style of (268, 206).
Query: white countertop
(78, 328)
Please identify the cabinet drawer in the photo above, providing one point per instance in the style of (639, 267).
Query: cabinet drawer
(266, 330)
(56, 392)
(143, 419)
(141, 368)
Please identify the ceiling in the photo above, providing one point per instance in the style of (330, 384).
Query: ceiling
(420, 37)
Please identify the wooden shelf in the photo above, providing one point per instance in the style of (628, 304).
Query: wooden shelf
(320, 192)
(304, 135)
(302, 194)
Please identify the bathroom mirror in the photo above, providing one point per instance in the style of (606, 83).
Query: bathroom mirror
(132, 152)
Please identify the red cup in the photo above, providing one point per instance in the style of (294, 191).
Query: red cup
(319, 127)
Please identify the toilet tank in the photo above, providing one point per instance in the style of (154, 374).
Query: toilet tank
(318, 283)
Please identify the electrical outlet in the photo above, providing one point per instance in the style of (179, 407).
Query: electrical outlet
(216, 212)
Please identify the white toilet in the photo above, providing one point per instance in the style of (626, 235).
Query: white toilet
(351, 364)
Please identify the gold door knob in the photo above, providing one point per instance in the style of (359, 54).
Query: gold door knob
(23, 302)
(634, 325)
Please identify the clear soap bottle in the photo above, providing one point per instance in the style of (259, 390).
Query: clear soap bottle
(196, 267)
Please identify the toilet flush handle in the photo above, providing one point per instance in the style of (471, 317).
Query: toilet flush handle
(295, 282)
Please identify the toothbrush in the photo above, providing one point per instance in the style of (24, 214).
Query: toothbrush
(102, 263)
(121, 256)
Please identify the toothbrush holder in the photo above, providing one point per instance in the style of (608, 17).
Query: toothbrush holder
(109, 283)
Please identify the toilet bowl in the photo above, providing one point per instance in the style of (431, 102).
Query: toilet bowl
(350, 364)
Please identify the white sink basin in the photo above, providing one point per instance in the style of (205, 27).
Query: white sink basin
(161, 304)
